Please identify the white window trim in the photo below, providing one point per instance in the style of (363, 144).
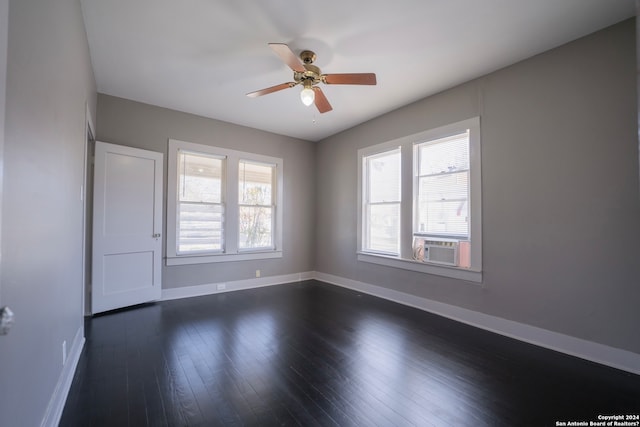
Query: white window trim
(405, 260)
(230, 191)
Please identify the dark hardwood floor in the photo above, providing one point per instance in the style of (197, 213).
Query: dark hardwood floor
(314, 354)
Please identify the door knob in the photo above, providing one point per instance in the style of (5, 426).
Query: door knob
(156, 235)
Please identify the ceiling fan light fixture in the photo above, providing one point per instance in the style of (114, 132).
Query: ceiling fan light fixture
(307, 95)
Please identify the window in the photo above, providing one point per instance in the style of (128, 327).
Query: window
(434, 226)
(256, 205)
(200, 207)
(443, 187)
(382, 202)
(441, 200)
(222, 205)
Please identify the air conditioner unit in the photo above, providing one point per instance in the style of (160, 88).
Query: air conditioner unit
(441, 251)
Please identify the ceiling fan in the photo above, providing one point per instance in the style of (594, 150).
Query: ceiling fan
(309, 76)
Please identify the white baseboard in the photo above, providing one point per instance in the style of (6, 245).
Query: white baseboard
(236, 285)
(56, 404)
(594, 352)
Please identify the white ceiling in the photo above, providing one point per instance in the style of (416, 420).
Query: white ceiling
(203, 56)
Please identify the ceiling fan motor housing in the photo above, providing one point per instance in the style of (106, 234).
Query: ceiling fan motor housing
(312, 75)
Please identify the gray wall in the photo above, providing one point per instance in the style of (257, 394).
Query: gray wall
(4, 35)
(49, 83)
(144, 126)
(561, 212)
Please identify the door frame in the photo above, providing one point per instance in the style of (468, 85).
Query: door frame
(86, 193)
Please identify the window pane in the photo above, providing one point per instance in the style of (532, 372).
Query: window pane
(383, 172)
(199, 227)
(200, 178)
(255, 183)
(255, 227)
(444, 187)
(384, 228)
(445, 155)
(443, 207)
(444, 217)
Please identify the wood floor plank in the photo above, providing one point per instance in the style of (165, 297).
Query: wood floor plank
(312, 354)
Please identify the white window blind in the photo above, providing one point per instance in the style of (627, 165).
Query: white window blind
(443, 186)
(382, 202)
(200, 203)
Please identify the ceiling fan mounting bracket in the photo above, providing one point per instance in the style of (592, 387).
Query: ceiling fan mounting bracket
(307, 56)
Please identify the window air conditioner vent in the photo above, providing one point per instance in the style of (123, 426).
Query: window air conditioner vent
(441, 251)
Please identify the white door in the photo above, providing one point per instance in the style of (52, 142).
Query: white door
(127, 222)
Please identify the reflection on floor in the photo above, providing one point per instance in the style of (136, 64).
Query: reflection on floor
(314, 354)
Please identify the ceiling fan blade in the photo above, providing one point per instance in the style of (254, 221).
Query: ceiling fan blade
(288, 57)
(350, 79)
(271, 89)
(322, 104)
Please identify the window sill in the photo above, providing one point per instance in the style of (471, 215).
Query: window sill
(438, 270)
(202, 259)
